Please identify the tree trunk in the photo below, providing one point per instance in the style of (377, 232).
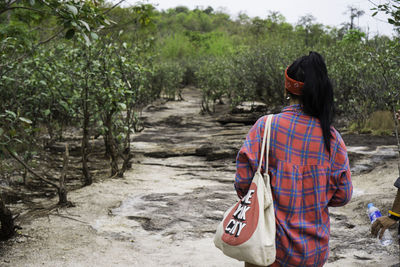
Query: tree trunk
(351, 22)
(126, 153)
(111, 145)
(24, 176)
(62, 196)
(85, 139)
(396, 130)
(107, 153)
(7, 222)
(127, 162)
(62, 191)
(50, 131)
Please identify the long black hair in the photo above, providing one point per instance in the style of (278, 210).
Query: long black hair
(317, 92)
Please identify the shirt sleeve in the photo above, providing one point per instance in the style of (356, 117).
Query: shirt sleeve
(248, 157)
(341, 188)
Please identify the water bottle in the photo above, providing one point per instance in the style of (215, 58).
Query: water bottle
(374, 213)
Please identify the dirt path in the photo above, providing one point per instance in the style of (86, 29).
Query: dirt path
(165, 210)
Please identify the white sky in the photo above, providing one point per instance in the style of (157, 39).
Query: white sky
(327, 12)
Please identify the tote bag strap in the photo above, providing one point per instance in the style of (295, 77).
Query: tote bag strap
(265, 138)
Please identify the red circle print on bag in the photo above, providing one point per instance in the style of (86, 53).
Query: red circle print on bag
(242, 221)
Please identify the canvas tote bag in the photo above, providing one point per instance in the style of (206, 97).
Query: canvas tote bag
(247, 231)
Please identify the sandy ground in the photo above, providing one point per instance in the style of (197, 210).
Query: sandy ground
(165, 210)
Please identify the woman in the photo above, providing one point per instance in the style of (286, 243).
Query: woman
(308, 165)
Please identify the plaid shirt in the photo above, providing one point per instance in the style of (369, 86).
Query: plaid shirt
(305, 181)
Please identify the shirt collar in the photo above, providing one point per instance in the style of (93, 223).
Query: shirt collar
(293, 108)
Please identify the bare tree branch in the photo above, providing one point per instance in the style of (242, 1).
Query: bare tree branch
(20, 7)
(29, 168)
(114, 6)
(50, 38)
(372, 3)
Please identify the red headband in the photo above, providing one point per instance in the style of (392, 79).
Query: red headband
(293, 86)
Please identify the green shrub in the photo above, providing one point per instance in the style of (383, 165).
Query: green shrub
(168, 79)
(213, 77)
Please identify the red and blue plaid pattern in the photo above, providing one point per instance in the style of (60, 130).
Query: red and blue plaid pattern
(305, 181)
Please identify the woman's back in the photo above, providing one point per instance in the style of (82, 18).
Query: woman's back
(304, 182)
(308, 165)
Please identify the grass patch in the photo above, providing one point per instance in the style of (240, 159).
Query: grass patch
(378, 123)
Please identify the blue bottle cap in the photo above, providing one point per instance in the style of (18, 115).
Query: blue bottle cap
(370, 205)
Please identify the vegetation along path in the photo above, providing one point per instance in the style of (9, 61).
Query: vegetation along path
(166, 208)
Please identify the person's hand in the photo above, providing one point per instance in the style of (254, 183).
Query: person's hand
(398, 115)
(380, 225)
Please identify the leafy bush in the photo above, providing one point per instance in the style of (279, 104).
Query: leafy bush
(249, 73)
(168, 80)
(213, 77)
